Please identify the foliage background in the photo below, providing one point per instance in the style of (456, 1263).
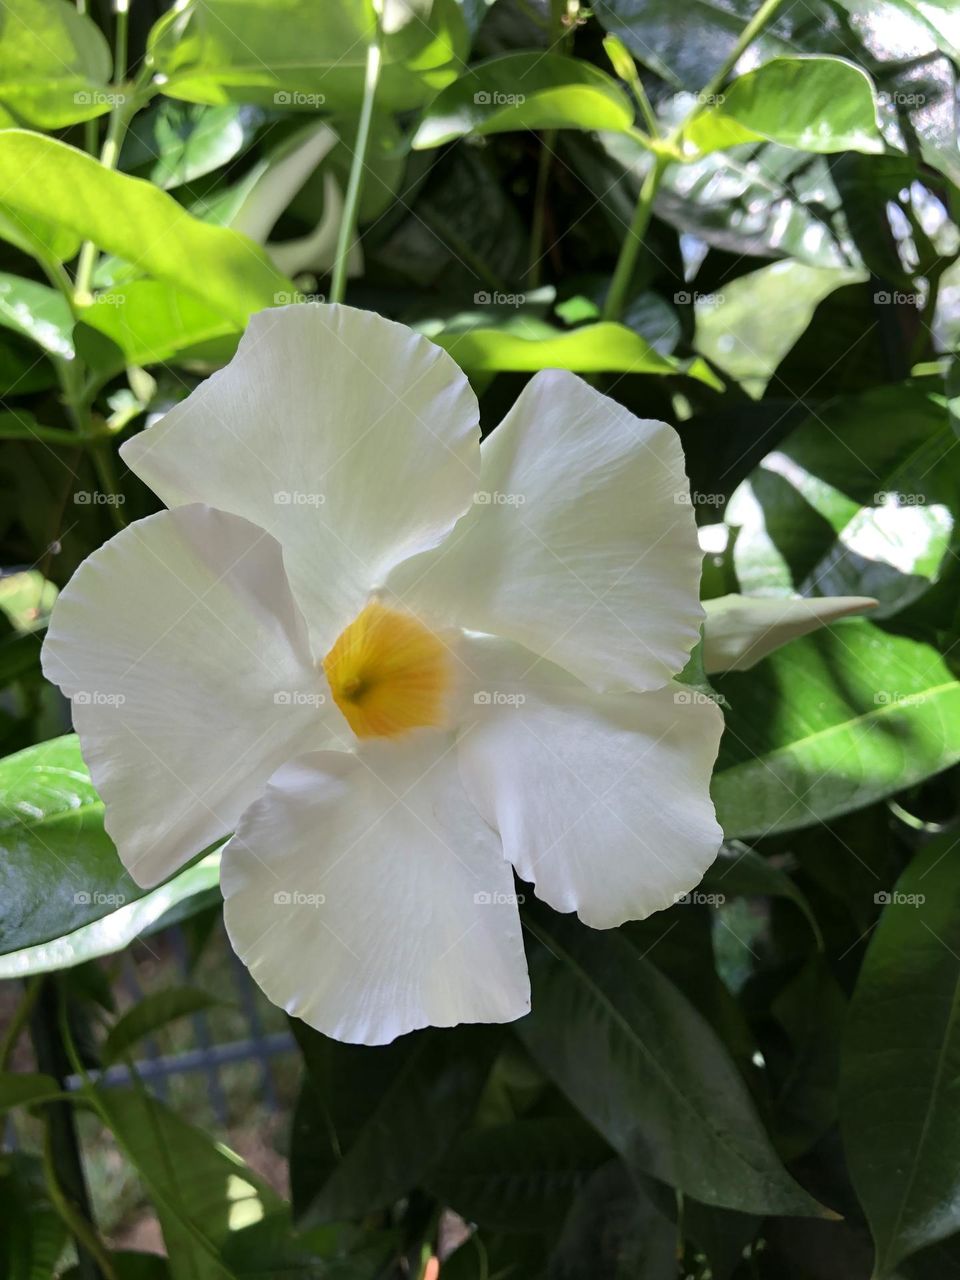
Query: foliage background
(740, 220)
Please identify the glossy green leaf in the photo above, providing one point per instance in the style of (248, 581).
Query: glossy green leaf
(187, 892)
(58, 868)
(20, 1090)
(149, 1014)
(40, 178)
(832, 722)
(525, 91)
(648, 1072)
(939, 18)
(686, 45)
(595, 348)
(812, 104)
(38, 312)
(305, 56)
(901, 1062)
(520, 1176)
(55, 64)
(747, 327)
(178, 142)
(859, 499)
(370, 1121)
(201, 1191)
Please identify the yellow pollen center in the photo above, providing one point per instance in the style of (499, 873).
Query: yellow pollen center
(388, 673)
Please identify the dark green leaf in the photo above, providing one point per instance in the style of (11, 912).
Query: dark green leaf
(901, 1063)
(370, 1121)
(150, 1013)
(648, 1072)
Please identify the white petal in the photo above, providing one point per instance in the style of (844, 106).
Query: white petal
(368, 897)
(191, 677)
(601, 800)
(740, 630)
(351, 439)
(582, 545)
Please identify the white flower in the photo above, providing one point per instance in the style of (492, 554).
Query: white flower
(394, 663)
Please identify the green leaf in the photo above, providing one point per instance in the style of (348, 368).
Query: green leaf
(151, 321)
(740, 870)
(301, 55)
(38, 312)
(686, 44)
(58, 868)
(150, 1013)
(20, 1090)
(604, 347)
(832, 722)
(812, 104)
(520, 1176)
(180, 142)
(901, 1063)
(33, 1234)
(525, 91)
(202, 1192)
(939, 18)
(370, 1121)
(648, 1072)
(748, 327)
(270, 1249)
(614, 1231)
(182, 896)
(137, 222)
(55, 64)
(860, 499)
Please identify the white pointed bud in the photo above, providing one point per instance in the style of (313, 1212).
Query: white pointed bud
(740, 630)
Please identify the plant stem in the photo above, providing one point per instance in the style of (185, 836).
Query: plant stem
(747, 36)
(19, 1020)
(63, 1154)
(348, 221)
(547, 143)
(129, 100)
(630, 249)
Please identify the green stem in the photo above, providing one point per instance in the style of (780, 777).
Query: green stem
(630, 249)
(130, 97)
(348, 221)
(68, 1184)
(747, 36)
(19, 1020)
(535, 270)
(664, 156)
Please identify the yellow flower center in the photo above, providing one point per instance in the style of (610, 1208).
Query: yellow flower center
(388, 673)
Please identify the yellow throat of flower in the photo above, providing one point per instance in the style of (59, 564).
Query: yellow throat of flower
(388, 673)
